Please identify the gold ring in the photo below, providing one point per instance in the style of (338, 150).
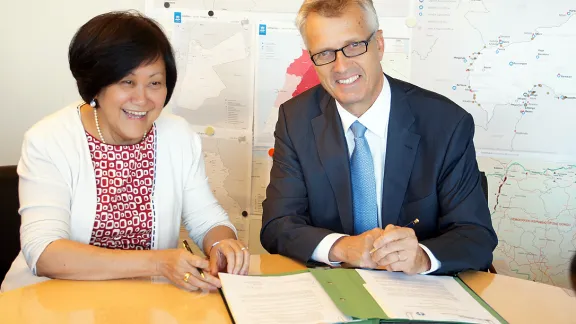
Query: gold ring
(244, 248)
(187, 276)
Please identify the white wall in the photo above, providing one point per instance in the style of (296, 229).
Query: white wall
(34, 76)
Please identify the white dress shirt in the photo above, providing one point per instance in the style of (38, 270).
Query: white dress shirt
(375, 119)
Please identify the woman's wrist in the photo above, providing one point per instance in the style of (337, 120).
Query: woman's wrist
(157, 261)
(216, 236)
(212, 246)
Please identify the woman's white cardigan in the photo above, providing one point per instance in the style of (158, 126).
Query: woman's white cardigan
(57, 189)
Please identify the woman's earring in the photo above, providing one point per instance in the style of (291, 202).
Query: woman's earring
(94, 103)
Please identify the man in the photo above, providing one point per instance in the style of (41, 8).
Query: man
(361, 156)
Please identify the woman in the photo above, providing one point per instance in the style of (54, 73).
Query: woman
(104, 185)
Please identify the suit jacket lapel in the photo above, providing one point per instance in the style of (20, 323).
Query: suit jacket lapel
(401, 148)
(333, 153)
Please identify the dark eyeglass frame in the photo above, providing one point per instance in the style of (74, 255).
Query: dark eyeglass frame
(365, 42)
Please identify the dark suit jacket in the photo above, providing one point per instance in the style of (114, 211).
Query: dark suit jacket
(430, 173)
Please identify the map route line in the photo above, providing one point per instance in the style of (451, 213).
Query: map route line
(395, 70)
(482, 1)
(512, 43)
(505, 179)
(562, 24)
(518, 120)
(513, 258)
(485, 47)
(429, 51)
(531, 91)
(499, 191)
(474, 27)
(569, 167)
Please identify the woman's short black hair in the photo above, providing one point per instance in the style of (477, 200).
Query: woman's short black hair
(111, 45)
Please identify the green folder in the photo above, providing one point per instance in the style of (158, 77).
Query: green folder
(346, 289)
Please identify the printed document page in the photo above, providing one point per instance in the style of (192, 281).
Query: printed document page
(422, 297)
(290, 299)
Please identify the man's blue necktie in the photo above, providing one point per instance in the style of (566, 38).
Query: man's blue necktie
(364, 202)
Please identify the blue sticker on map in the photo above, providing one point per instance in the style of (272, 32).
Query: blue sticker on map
(177, 17)
(262, 29)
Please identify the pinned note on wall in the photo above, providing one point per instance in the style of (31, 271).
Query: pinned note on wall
(210, 131)
(411, 22)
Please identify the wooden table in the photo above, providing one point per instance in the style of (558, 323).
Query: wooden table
(523, 301)
(154, 300)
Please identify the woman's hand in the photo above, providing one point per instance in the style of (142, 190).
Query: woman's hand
(231, 256)
(181, 267)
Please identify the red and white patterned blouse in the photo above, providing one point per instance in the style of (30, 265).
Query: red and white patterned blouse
(124, 185)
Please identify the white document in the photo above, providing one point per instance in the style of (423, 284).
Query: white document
(422, 297)
(279, 299)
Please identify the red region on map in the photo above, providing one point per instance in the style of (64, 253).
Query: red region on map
(304, 68)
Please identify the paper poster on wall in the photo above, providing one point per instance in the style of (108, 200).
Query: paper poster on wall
(228, 162)
(261, 166)
(518, 80)
(283, 70)
(215, 65)
(533, 205)
(214, 94)
(385, 8)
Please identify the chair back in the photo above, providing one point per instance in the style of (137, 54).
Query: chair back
(9, 218)
(484, 184)
(573, 272)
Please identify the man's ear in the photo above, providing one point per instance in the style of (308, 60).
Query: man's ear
(379, 37)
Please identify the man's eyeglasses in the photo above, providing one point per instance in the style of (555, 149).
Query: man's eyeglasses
(350, 50)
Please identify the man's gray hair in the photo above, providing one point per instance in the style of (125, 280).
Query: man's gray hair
(336, 8)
